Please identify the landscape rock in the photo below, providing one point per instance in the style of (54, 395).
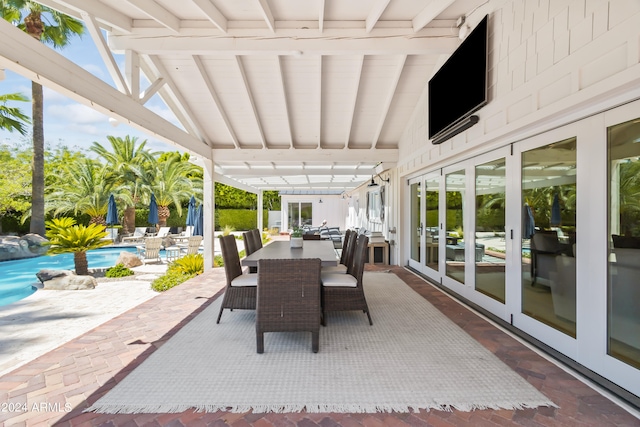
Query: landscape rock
(128, 259)
(27, 246)
(65, 280)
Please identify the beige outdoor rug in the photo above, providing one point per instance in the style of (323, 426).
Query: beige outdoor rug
(413, 357)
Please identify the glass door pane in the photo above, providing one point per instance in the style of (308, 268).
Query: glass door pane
(490, 247)
(549, 235)
(416, 225)
(306, 214)
(432, 221)
(624, 248)
(454, 250)
(294, 215)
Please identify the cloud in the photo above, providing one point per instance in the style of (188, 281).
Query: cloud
(76, 114)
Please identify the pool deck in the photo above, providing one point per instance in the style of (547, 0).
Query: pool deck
(45, 319)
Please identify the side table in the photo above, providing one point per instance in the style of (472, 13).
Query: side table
(172, 253)
(385, 252)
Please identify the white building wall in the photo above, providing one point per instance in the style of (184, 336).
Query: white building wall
(551, 62)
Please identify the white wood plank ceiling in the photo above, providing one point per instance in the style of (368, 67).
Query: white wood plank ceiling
(288, 94)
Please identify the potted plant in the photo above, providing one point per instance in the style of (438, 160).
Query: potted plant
(296, 238)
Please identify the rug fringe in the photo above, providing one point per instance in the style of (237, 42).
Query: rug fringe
(324, 408)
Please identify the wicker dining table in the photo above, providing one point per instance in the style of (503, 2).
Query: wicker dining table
(322, 249)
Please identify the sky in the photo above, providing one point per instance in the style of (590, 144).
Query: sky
(74, 125)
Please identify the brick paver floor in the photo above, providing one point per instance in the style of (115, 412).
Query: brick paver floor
(55, 388)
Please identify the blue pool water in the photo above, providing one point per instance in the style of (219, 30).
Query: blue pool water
(18, 277)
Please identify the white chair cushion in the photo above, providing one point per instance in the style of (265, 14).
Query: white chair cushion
(340, 268)
(245, 280)
(338, 279)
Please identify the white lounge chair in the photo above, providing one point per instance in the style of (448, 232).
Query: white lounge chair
(137, 236)
(150, 251)
(193, 245)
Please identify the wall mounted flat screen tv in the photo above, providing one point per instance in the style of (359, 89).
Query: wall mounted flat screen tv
(459, 87)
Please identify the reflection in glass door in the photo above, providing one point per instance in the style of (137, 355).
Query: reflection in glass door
(432, 221)
(624, 243)
(416, 223)
(490, 247)
(549, 235)
(454, 248)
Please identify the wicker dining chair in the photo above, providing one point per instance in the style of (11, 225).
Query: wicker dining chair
(342, 292)
(348, 247)
(240, 292)
(257, 238)
(249, 247)
(288, 298)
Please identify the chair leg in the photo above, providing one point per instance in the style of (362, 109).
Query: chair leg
(369, 316)
(315, 341)
(220, 315)
(260, 342)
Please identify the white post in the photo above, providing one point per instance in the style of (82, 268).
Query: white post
(208, 199)
(260, 210)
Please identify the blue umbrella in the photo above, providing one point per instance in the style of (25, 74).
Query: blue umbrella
(556, 220)
(198, 229)
(112, 211)
(153, 210)
(528, 223)
(191, 213)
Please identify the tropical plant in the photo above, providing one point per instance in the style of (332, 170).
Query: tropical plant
(227, 229)
(130, 169)
(84, 189)
(12, 118)
(171, 185)
(57, 29)
(192, 264)
(15, 182)
(169, 280)
(65, 236)
(118, 270)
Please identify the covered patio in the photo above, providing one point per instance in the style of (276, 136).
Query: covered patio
(271, 95)
(81, 371)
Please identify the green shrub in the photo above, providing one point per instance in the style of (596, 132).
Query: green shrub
(119, 270)
(169, 280)
(190, 264)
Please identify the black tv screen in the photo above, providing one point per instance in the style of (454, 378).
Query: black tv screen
(460, 86)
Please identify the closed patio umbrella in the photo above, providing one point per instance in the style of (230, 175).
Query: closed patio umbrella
(153, 211)
(528, 223)
(198, 229)
(112, 211)
(191, 212)
(556, 220)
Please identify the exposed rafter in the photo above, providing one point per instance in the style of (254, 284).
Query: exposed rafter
(375, 14)
(212, 13)
(354, 101)
(314, 155)
(132, 71)
(286, 102)
(23, 54)
(320, 101)
(105, 53)
(389, 99)
(429, 13)
(267, 15)
(321, 16)
(152, 68)
(158, 13)
(207, 81)
(103, 13)
(151, 90)
(388, 41)
(248, 92)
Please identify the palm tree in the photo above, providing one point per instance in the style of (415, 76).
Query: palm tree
(12, 118)
(54, 28)
(172, 185)
(129, 168)
(67, 237)
(84, 189)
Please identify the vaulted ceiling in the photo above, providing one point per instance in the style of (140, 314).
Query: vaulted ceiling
(288, 94)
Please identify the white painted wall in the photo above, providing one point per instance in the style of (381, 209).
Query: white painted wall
(333, 208)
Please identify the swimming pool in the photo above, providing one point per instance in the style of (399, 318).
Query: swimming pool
(17, 277)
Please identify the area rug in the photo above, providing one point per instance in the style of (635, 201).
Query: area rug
(413, 357)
